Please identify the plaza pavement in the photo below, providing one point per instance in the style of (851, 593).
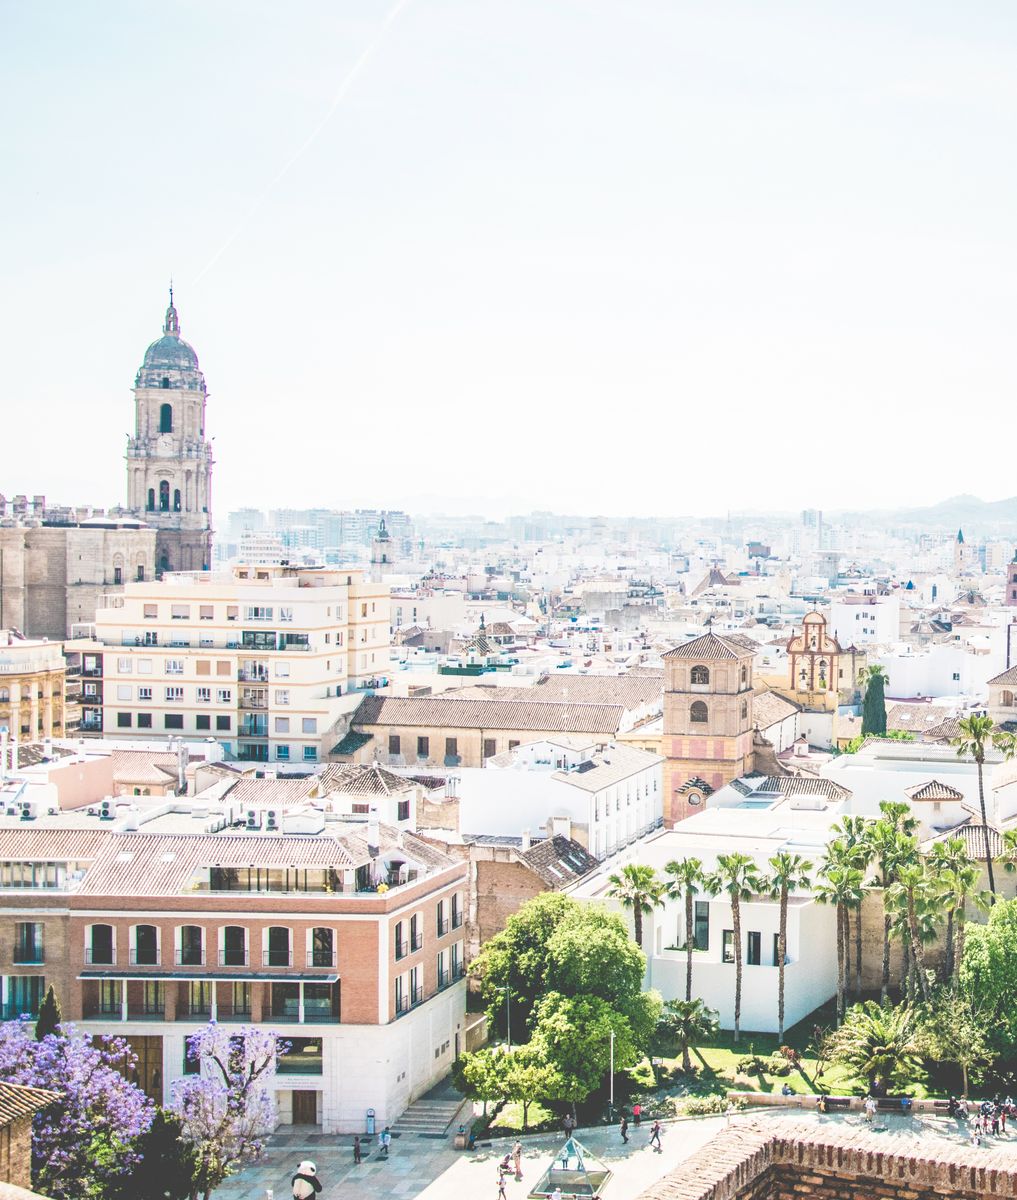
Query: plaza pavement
(429, 1168)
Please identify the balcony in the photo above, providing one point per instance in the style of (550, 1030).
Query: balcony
(459, 970)
(276, 958)
(457, 919)
(99, 956)
(321, 958)
(145, 957)
(189, 958)
(442, 927)
(252, 676)
(416, 942)
(416, 996)
(401, 950)
(232, 958)
(444, 979)
(254, 701)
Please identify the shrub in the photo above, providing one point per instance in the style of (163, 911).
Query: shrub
(708, 1106)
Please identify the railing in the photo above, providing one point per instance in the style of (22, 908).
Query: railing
(416, 941)
(276, 958)
(444, 979)
(401, 950)
(252, 676)
(189, 958)
(321, 958)
(105, 958)
(457, 919)
(232, 958)
(144, 958)
(25, 956)
(459, 970)
(416, 995)
(442, 928)
(254, 702)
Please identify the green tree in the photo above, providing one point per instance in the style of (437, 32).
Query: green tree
(637, 888)
(49, 1015)
(685, 1024)
(787, 873)
(956, 875)
(595, 956)
(890, 847)
(988, 974)
(879, 1043)
(166, 1167)
(478, 1074)
(976, 734)
(526, 1075)
(573, 1034)
(874, 680)
(910, 890)
(738, 878)
(685, 883)
(840, 885)
(951, 1031)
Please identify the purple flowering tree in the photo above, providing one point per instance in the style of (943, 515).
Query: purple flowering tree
(227, 1108)
(83, 1144)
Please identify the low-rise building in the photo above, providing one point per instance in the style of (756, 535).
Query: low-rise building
(32, 688)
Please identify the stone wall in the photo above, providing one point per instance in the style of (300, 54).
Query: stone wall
(785, 1161)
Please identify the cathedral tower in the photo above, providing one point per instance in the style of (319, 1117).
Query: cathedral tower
(169, 460)
(707, 720)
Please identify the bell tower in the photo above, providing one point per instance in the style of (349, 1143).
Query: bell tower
(169, 460)
(708, 727)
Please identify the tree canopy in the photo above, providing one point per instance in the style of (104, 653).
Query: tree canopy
(988, 974)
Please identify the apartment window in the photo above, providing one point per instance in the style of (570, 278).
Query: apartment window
(28, 942)
(223, 722)
(282, 753)
(153, 997)
(145, 720)
(232, 612)
(258, 612)
(190, 953)
(277, 952)
(101, 947)
(173, 721)
(205, 612)
(180, 612)
(309, 725)
(144, 693)
(123, 720)
(109, 997)
(174, 666)
(401, 946)
(146, 946)
(423, 747)
(457, 912)
(282, 724)
(728, 951)
(24, 995)
(302, 1056)
(124, 691)
(310, 754)
(203, 667)
(416, 987)
(285, 614)
(203, 695)
(403, 810)
(754, 948)
(322, 948)
(202, 722)
(224, 696)
(282, 698)
(416, 937)
(124, 666)
(151, 612)
(174, 695)
(234, 946)
(401, 1000)
(701, 925)
(393, 743)
(223, 666)
(451, 747)
(240, 998)
(441, 923)
(513, 743)
(199, 998)
(490, 747)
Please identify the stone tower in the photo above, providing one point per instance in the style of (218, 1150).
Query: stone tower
(1011, 581)
(381, 551)
(169, 460)
(708, 726)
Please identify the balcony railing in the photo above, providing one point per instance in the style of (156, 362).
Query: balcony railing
(277, 958)
(444, 979)
(28, 956)
(442, 928)
(457, 919)
(416, 941)
(99, 957)
(402, 1005)
(416, 995)
(321, 958)
(252, 676)
(232, 958)
(401, 950)
(145, 957)
(458, 970)
(189, 958)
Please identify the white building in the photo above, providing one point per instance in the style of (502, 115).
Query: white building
(864, 620)
(603, 794)
(262, 658)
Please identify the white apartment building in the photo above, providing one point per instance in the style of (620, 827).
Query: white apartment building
(857, 619)
(260, 657)
(602, 794)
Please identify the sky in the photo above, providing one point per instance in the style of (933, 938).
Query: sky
(645, 257)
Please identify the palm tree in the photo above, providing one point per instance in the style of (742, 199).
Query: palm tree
(736, 875)
(880, 1043)
(855, 834)
(873, 680)
(687, 1023)
(887, 841)
(638, 888)
(841, 886)
(788, 873)
(957, 876)
(911, 885)
(686, 880)
(976, 734)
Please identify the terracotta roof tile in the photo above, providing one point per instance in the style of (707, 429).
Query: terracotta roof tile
(710, 647)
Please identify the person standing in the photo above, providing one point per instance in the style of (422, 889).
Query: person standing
(385, 1140)
(655, 1137)
(623, 1129)
(356, 1151)
(305, 1183)
(501, 1187)
(637, 1114)
(517, 1159)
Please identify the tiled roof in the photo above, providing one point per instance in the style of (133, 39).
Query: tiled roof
(360, 779)
(933, 790)
(289, 790)
(17, 1101)
(973, 837)
(24, 843)
(946, 732)
(768, 708)
(699, 785)
(709, 647)
(1008, 677)
(631, 691)
(143, 766)
(803, 785)
(917, 718)
(30, 754)
(559, 860)
(610, 766)
(351, 742)
(447, 712)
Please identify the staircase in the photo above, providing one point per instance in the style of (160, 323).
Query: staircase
(429, 1118)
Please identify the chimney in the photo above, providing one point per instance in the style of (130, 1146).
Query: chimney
(373, 833)
(526, 840)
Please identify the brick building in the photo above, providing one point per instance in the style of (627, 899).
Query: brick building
(326, 919)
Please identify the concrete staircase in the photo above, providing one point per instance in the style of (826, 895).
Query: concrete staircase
(429, 1118)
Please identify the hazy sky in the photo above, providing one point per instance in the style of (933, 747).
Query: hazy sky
(619, 256)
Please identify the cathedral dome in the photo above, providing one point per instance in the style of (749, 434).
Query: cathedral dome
(170, 362)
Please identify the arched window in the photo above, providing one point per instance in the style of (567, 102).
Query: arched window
(700, 675)
(1007, 700)
(277, 953)
(164, 491)
(146, 946)
(745, 675)
(191, 949)
(176, 499)
(233, 950)
(151, 499)
(100, 946)
(166, 418)
(699, 713)
(322, 949)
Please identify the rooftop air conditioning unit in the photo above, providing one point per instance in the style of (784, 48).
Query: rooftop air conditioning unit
(253, 819)
(271, 819)
(106, 810)
(27, 812)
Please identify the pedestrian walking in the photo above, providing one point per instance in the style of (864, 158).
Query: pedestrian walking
(637, 1114)
(870, 1108)
(655, 1137)
(556, 1194)
(623, 1129)
(356, 1151)
(517, 1159)
(501, 1187)
(305, 1183)
(385, 1140)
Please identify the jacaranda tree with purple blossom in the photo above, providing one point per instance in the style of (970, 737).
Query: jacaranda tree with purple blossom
(227, 1108)
(82, 1144)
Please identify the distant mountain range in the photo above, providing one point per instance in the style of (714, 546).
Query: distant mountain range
(969, 513)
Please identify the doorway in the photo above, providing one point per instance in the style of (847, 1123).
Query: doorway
(305, 1108)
